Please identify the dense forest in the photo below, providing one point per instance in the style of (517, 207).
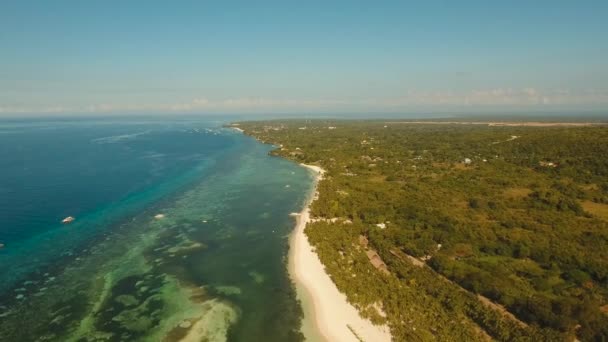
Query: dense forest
(460, 231)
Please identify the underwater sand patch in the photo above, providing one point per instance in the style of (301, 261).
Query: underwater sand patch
(185, 324)
(257, 277)
(228, 290)
(186, 247)
(127, 300)
(133, 320)
(214, 324)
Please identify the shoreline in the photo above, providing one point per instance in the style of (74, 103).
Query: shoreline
(327, 314)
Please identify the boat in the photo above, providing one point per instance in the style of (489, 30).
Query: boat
(68, 219)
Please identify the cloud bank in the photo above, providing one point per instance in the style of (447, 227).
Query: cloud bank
(498, 98)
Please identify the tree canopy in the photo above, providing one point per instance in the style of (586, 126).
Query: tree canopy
(510, 224)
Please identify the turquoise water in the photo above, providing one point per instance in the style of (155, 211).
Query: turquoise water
(213, 267)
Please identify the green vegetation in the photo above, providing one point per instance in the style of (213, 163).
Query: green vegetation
(489, 232)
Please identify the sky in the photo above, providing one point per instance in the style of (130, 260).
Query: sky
(90, 57)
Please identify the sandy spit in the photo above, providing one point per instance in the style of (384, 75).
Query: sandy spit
(327, 314)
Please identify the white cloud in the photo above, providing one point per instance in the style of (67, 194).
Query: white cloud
(201, 102)
(493, 97)
(40, 110)
(253, 103)
(502, 97)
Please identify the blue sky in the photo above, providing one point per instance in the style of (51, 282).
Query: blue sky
(287, 56)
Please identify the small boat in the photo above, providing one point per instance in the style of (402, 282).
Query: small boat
(68, 219)
(1, 245)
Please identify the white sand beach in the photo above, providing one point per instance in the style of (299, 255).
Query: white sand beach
(237, 129)
(327, 314)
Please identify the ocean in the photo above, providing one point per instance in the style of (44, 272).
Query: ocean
(180, 233)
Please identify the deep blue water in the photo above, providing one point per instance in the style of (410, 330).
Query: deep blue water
(91, 170)
(56, 170)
